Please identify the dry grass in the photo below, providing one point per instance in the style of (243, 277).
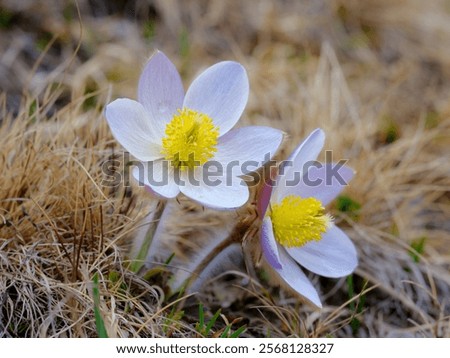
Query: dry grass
(374, 74)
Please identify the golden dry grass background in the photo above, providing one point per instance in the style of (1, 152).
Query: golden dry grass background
(373, 74)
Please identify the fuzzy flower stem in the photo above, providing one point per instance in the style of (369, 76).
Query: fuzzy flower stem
(235, 237)
(138, 261)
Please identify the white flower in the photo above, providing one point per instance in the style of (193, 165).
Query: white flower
(295, 228)
(174, 135)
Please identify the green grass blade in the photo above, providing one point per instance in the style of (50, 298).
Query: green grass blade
(351, 291)
(99, 323)
(212, 322)
(238, 332)
(417, 248)
(201, 318)
(225, 332)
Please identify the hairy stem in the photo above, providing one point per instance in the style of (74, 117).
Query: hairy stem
(235, 236)
(139, 260)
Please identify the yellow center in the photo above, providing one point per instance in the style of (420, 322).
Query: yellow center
(190, 140)
(297, 221)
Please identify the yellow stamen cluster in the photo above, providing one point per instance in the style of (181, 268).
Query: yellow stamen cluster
(191, 139)
(297, 221)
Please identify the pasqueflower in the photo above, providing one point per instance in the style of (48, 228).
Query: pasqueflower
(296, 230)
(181, 138)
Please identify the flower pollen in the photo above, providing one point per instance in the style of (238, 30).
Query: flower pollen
(297, 221)
(190, 140)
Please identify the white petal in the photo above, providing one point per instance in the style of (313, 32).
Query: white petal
(269, 245)
(247, 148)
(159, 176)
(131, 126)
(306, 152)
(160, 90)
(294, 277)
(323, 182)
(214, 191)
(333, 256)
(221, 92)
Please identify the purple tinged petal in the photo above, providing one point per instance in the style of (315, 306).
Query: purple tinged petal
(221, 92)
(160, 90)
(269, 245)
(131, 126)
(219, 193)
(248, 147)
(305, 153)
(264, 199)
(158, 176)
(333, 256)
(292, 274)
(323, 182)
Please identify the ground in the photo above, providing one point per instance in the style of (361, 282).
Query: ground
(375, 75)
